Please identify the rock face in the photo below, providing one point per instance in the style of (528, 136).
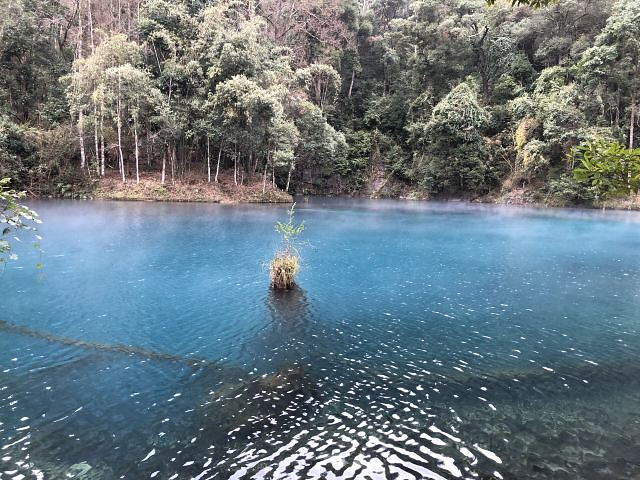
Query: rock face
(380, 183)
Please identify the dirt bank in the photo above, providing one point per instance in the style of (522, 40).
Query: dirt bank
(150, 188)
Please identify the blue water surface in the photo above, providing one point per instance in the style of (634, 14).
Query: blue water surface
(425, 340)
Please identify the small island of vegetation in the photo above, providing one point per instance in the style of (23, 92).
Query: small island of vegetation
(285, 265)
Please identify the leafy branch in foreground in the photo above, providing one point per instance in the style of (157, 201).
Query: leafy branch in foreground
(14, 217)
(286, 262)
(613, 170)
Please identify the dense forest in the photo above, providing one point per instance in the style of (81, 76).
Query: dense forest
(425, 98)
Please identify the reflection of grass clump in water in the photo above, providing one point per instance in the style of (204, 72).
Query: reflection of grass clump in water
(286, 263)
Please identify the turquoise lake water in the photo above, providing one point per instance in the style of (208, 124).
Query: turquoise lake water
(435, 341)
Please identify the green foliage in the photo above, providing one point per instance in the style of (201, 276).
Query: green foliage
(609, 72)
(14, 217)
(451, 154)
(566, 190)
(450, 96)
(289, 231)
(320, 144)
(353, 166)
(610, 168)
(323, 82)
(505, 89)
(16, 151)
(533, 159)
(33, 56)
(459, 114)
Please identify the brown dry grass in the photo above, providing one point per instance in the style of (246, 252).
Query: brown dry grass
(190, 189)
(283, 269)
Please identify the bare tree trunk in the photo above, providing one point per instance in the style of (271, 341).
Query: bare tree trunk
(102, 159)
(120, 145)
(138, 13)
(173, 162)
(93, 44)
(95, 137)
(83, 157)
(155, 51)
(218, 165)
(291, 168)
(120, 135)
(353, 77)
(79, 55)
(235, 167)
(208, 161)
(164, 166)
(264, 174)
(135, 136)
(633, 122)
(148, 147)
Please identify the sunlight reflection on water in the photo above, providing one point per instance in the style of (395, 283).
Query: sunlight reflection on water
(426, 341)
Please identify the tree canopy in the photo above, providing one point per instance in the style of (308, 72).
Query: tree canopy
(452, 97)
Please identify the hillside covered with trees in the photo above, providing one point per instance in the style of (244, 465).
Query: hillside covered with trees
(424, 98)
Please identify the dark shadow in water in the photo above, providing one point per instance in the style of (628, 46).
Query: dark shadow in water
(288, 308)
(284, 340)
(260, 407)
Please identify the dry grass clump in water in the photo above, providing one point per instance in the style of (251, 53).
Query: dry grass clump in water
(286, 263)
(283, 269)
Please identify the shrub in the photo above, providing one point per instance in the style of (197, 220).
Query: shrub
(505, 89)
(532, 159)
(16, 152)
(354, 165)
(13, 217)
(566, 190)
(612, 170)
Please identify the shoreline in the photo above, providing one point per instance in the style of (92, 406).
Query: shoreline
(197, 190)
(292, 198)
(150, 189)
